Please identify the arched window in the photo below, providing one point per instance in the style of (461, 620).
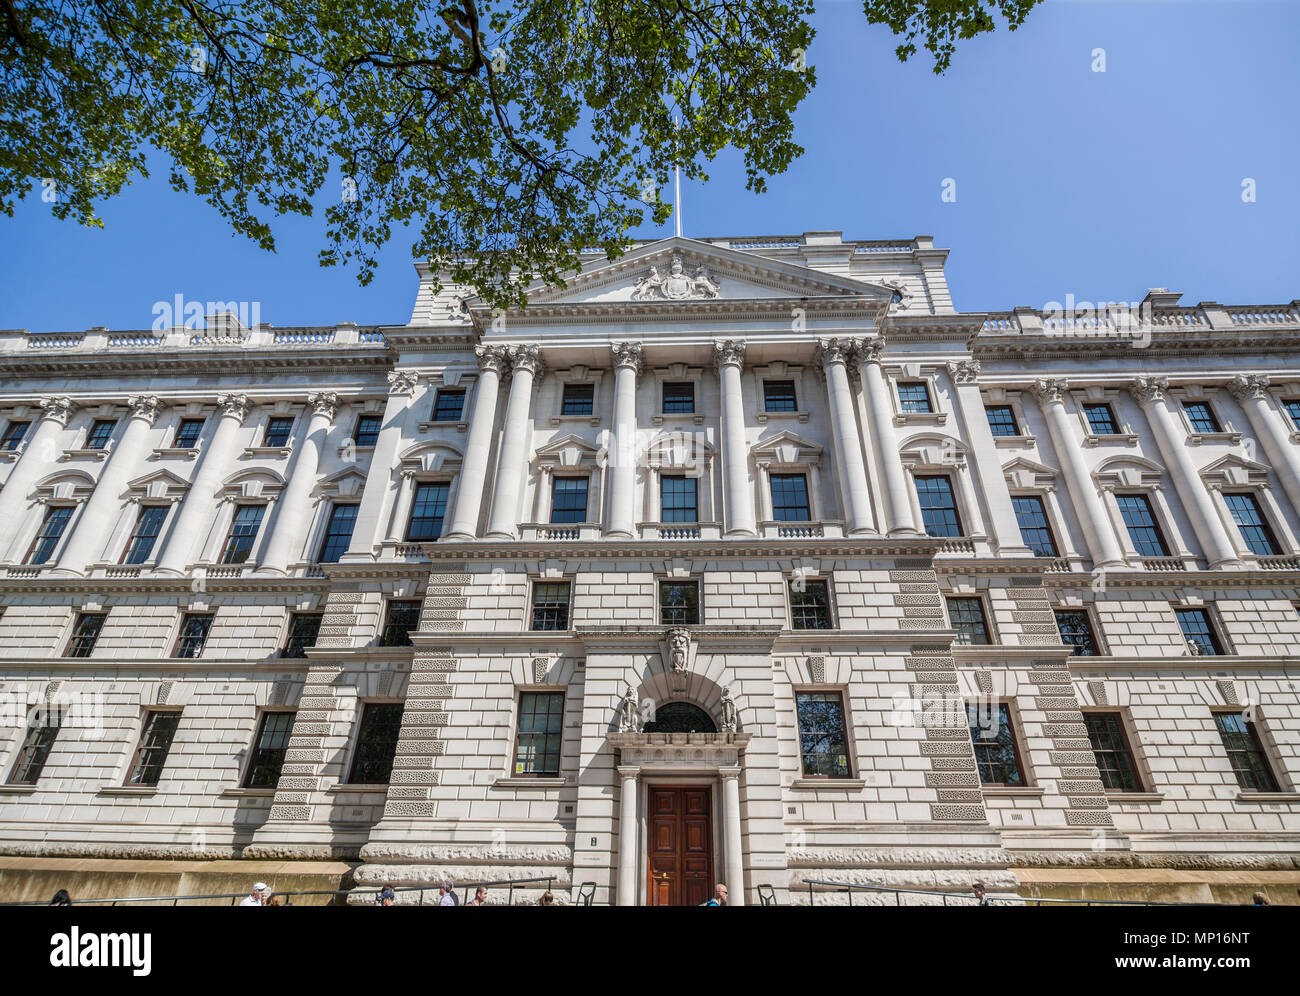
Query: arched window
(680, 717)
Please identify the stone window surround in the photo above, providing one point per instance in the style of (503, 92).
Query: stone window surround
(810, 573)
(1012, 398)
(450, 378)
(570, 457)
(251, 751)
(579, 374)
(696, 578)
(779, 370)
(126, 758)
(1146, 778)
(664, 457)
(1212, 397)
(854, 779)
(305, 606)
(1274, 517)
(1211, 610)
(806, 460)
(238, 492)
(1097, 394)
(179, 413)
(1076, 604)
(428, 464)
(196, 607)
(341, 489)
(548, 576)
(278, 409)
(922, 464)
(105, 412)
(963, 589)
(155, 494)
(677, 373)
(91, 605)
(1273, 757)
(512, 780)
(359, 703)
(1030, 784)
(32, 415)
(1164, 518)
(924, 373)
(1055, 520)
(70, 493)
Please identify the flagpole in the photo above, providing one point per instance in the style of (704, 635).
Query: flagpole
(677, 183)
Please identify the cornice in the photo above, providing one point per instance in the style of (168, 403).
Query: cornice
(644, 312)
(1207, 343)
(1210, 666)
(198, 667)
(228, 360)
(1174, 579)
(165, 585)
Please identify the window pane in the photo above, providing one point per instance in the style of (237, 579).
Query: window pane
(37, 744)
(823, 742)
(913, 397)
(778, 396)
(579, 399)
(1076, 631)
(967, 616)
(1110, 745)
(1195, 624)
(995, 744)
(1142, 527)
(269, 748)
(811, 607)
(147, 529)
(1293, 410)
(569, 499)
(537, 744)
(194, 634)
(14, 434)
(338, 534)
(1101, 420)
(938, 506)
(85, 633)
(187, 433)
(55, 522)
(1002, 420)
(399, 620)
(790, 498)
(381, 722)
(448, 406)
(1034, 529)
(1241, 741)
(1255, 530)
(679, 603)
(155, 743)
(99, 434)
(278, 429)
(243, 533)
(678, 499)
(551, 605)
(304, 627)
(368, 429)
(679, 399)
(1201, 415)
(428, 509)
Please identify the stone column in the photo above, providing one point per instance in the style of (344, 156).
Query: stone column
(525, 365)
(1103, 546)
(627, 365)
(492, 362)
(1251, 393)
(731, 826)
(286, 536)
(627, 835)
(1214, 540)
(899, 519)
(93, 526)
(38, 457)
(848, 445)
(729, 357)
(214, 463)
(366, 531)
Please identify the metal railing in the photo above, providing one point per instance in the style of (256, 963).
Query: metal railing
(951, 899)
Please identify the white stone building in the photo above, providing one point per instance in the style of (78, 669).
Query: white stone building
(735, 560)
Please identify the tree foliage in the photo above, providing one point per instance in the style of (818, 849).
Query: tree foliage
(944, 22)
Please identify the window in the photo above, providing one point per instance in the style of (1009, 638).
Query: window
(278, 428)
(810, 604)
(678, 499)
(579, 399)
(1002, 420)
(1201, 415)
(537, 744)
(550, 605)
(155, 743)
(368, 426)
(32, 755)
(996, 754)
(1076, 631)
(823, 743)
(14, 434)
(304, 627)
(372, 764)
(569, 499)
(100, 433)
(193, 635)
(967, 618)
(1143, 529)
(913, 396)
(428, 509)
(338, 533)
(1293, 410)
(1114, 757)
(84, 634)
(938, 506)
(448, 404)
(147, 529)
(47, 540)
(1034, 529)
(269, 748)
(790, 498)
(1255, 529)
(1101, 420)
(187, 433)
(679, 398)
(778, 396)
(243, 533)
(401, 617)
(1245, 752)
(679, 603)
(1198, 631)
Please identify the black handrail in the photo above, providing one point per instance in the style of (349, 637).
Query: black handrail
(851, 887)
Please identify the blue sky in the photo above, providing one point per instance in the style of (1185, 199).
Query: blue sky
(1068, 181)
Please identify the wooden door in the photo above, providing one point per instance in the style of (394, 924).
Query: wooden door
(680, 845)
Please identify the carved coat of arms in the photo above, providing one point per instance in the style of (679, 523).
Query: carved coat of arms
(677, 285)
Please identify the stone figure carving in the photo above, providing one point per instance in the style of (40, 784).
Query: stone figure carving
(728, 711)
(679, 648)
(676, 286)
(647, 285)
(629, 715)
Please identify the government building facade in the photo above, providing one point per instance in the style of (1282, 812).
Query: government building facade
(749, 561)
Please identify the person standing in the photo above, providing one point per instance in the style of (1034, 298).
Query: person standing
(480, 897)
(258, 896)
(447, 894)
(719, 896)
(980, 898)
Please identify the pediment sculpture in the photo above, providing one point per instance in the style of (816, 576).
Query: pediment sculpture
(676, 285)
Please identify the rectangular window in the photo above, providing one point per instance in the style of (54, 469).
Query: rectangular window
(1255, 529)
(269, 748)
(187, 433)
(428, 509)
(778, 396)
(1034, 528)
(402, 617)
(678, 500)
(967, 618)
(1002, 420)
(810, 604)
(1246, 752)
(569, 499)
(1114, 757)
(147, 529)
(823, 742)
(32, 755)
(1293, 411)
(155, 742)
(1101, 420)
(938, 506)
(550, 605)
(579, 399)
(278, 429)
(1198, 631)
(338, 533)
(101, 431)
(1076, 632)
(193, 635)
(304, 627)
(790, 498)
(243, 533)
(448, 404)
(541, 726)
(381, 722)
(996, 753)
(1143, 529)
(14, 434)
(679, 603)
(368, 427)
(679, 398)
(913, 396)
(1201, 415)
(56, 521)
(84, 634)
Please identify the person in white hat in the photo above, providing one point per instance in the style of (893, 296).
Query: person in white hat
(258, 896)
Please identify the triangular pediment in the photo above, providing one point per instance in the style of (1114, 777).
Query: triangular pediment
(787, 447)
(568, 451)
(1234, 470)
(1023, 473)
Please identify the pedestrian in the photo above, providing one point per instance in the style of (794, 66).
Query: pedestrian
(719, 896)
(61, 898)
(480, 897)
(447, 894)
(547, 899)
(261, 892)
(1259, 899)
(387, 897)
(980, 898)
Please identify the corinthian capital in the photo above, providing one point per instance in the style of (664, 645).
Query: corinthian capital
(729, 351)
(402, 382)
(527, 357)
(145, 406)
(233, 405)
(1050, 391)
(494, 358)
(627, 354)
(57, 409)
(323, 403)
(869, 350)
(964, 371)
(1248, 387)
(834, 351)
(1149, 389)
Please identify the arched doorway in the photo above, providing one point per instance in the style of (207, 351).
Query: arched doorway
(680, 717)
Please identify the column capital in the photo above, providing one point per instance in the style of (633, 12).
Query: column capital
(627, 354)
(145, 406)
(964, 371)
(869, 350)
(323, 403)
(233, 405)
(1249, 387)
(834, 351)
(1149, 389)
(629, 771)
(1050, 391)
(402, 382)
(728, 351)
(729, 773)
(494, 358)
(57, 409)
